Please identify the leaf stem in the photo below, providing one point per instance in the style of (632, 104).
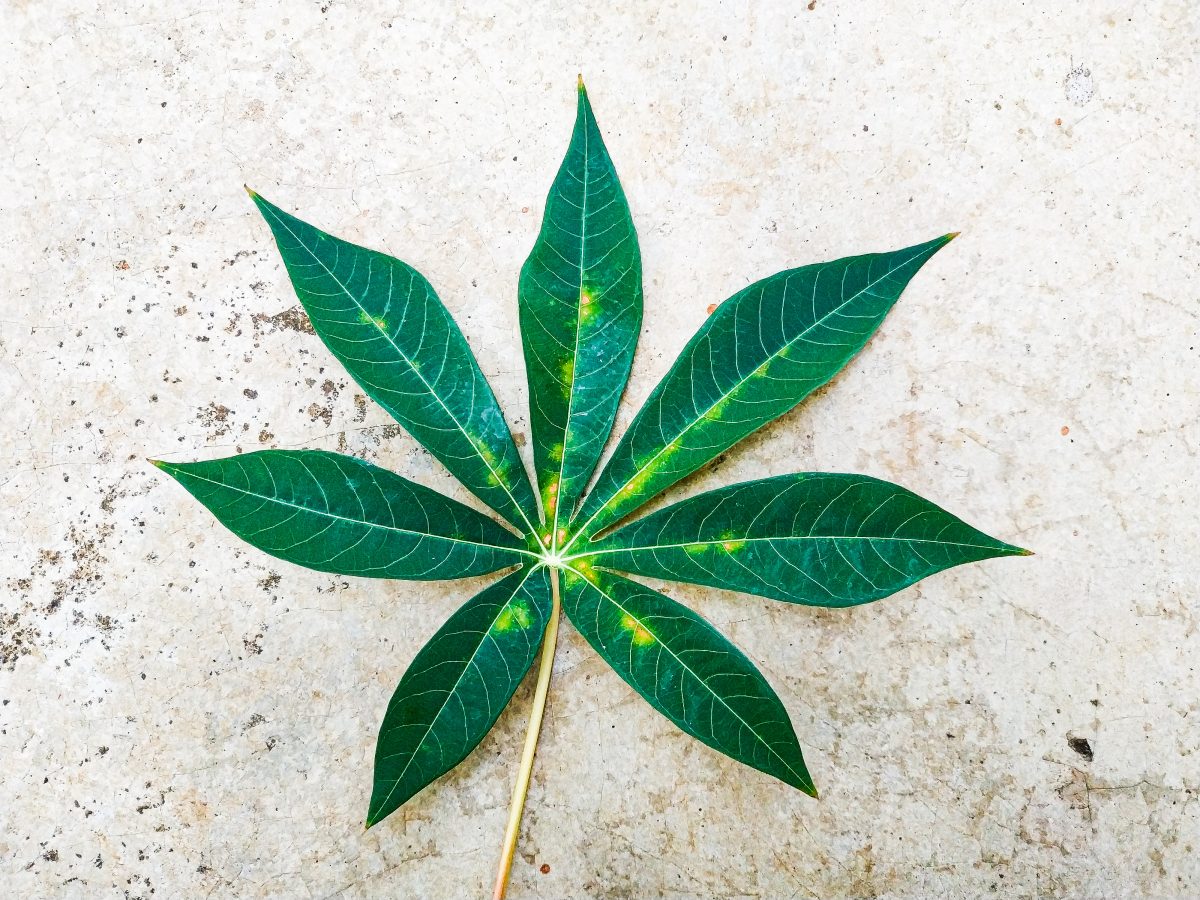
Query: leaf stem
(521, 788)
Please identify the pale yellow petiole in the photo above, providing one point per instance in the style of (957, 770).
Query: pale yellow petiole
(521, 788)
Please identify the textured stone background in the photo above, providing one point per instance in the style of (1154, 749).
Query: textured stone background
(183, 716)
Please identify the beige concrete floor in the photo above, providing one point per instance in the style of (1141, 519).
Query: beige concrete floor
(183, 716)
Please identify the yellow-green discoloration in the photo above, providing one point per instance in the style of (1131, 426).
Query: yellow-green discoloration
(653, 462)
(719, 409)
(636, 485)
(731, 544)
(588, 307)
(567, 374)
(515, 615)
(641, 637)
(378, 321)
(584, 568)
(498, 467)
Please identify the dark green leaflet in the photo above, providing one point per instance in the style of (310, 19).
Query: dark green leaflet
(580, 298)
(385, 324)
(457, 686)
(338, 514)
(762, 352)
(687, 671)
(815, 538)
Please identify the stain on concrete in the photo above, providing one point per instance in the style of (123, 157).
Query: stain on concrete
(293, 319)
(1079, 85)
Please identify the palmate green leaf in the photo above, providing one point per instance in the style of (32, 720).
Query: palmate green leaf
(580, 298)
(686, 670)
(758, 355)
(457, 686)
(335, 513)
(385, 324)
(821, 539)
(818, 539)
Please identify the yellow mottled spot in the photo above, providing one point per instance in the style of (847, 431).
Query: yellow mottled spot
(562, 537)
(556, 453)
(655, 460)
(515, 615)
(641, 637)
(378, 321)
(493, 479)
(731, 543)
(720, 408)
(550, 500)
(636, 485)
(695, 548)
(567, 371)
(588, 307)
(584, 568)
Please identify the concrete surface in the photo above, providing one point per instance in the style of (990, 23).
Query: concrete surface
(181, 716)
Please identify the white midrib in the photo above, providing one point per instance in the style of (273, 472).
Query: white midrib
(474, 446)
(692, 672)
(779, 539)
(753, 374)
(562, 465)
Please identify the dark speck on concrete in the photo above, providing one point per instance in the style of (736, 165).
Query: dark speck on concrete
(1081, 746)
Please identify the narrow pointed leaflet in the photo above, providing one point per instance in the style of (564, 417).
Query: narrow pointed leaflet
(759, 354)
(458, 685)
(385, 324)
(580, 298)
(819, 539)
(339, 514)
(686, 670)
